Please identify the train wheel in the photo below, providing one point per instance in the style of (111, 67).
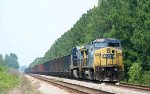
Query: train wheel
(89, 74)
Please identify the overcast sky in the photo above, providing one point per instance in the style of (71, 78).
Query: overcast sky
(28, 28)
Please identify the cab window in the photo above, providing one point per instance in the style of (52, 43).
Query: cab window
(114, 44)
(102, 44)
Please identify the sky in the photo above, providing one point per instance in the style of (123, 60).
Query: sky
(28, 28)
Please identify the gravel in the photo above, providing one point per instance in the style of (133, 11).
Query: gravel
(100, 86)
(46, 88)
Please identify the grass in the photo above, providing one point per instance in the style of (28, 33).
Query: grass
(12, 83)
(7, 80)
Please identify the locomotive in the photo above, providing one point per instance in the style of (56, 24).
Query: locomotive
(100, 60)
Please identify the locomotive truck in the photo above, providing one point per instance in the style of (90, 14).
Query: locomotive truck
(100, 60)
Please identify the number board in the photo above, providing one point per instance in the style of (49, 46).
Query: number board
(109, 56)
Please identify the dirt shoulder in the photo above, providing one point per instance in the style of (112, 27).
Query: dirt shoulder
(25, 87)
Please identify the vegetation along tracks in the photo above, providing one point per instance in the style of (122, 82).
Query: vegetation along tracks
(72, 88)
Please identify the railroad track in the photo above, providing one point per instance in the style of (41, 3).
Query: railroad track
(72, 88)
(83, 89)
(130, 86)
(139, 87)
(122, 85)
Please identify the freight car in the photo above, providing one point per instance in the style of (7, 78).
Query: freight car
(101, 60)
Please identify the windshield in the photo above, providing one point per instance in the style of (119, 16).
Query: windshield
(102, 44)
(114, 44)
(98, 44)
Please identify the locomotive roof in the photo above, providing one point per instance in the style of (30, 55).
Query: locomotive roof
(109, 40)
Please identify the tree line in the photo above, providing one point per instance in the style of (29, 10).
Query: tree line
(10, 61)
(127, 20)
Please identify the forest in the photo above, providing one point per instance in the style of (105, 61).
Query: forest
(126, 20)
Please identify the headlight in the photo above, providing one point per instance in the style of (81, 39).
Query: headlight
(115, 69)
(102, 69)
(104, 56)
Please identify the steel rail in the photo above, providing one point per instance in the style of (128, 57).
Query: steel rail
(74, 87)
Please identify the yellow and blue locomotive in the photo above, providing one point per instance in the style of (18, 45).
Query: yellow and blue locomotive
(101, 60)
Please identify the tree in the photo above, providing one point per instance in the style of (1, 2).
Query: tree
(1, 60)
(12, 61)
(140, 44)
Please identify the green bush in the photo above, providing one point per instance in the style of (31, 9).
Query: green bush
(7, 80)
(135, 73)
(138, 76)
(146, 78)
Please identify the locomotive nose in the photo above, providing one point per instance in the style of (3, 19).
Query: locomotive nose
(108, 63)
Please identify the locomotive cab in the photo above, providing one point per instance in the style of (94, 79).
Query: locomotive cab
(108, 65)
